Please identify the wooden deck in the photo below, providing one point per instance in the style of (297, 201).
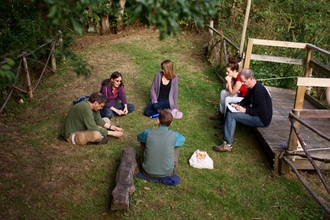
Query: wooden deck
(276, 135)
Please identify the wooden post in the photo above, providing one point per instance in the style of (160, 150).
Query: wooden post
(248, 53)
(124, 180)
(293, 139)
(52, 48)
(28, 80)
(246, 19)
(308, 69)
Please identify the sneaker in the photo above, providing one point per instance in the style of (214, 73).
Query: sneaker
(217, 117)
(224, 147)
(101, 142)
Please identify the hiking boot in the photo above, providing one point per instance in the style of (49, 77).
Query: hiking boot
(224, 147)
(101, 142)
(217, 117)
(218, 126)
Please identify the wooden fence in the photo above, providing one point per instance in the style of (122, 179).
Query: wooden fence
(23, 67)
(219, 47)
(308, 62)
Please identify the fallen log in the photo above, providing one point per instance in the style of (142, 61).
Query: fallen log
(124, 180)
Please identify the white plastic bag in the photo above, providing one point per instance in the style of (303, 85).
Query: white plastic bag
(201, 160)
(176, 114)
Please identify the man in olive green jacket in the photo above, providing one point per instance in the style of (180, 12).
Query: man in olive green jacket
(84, 124)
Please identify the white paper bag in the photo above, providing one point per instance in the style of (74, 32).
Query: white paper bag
(201, 160)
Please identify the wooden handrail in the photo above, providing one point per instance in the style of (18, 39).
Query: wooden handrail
(222, 35)
(311, 46)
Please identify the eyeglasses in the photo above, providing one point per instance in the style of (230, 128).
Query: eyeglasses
(101, 104)
(118, 81)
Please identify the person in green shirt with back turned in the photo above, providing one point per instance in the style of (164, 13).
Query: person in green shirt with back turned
(84, 125)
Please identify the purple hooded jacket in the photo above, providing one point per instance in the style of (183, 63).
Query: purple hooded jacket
(113, 96)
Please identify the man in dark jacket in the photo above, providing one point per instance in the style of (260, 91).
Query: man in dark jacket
(255, 110)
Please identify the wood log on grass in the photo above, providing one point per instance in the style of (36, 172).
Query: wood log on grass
(124, 180)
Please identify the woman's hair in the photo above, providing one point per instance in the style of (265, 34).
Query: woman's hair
(116, 75)
(97, 97)
(233, 63)
(168, 70)
(165, 117)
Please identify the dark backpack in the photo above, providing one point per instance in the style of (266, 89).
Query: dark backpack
(80, 99)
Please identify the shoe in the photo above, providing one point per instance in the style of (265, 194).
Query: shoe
(217, 117)
(60, 137)
(101, 142)
(218, 135)
(218, 126)
(224, 147)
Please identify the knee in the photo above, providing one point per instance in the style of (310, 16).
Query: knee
(131, 108)
(148, 112)
(107, 114)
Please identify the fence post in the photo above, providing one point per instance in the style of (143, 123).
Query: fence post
(52, 48)
(308, 69)
(28, 80)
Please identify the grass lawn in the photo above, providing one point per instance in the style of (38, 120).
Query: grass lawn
(45, 178)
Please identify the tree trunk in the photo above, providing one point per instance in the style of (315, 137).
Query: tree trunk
(91, 26)
(105, 25)
(120, 24)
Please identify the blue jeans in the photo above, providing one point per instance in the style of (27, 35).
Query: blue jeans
(152, 108)
(108, 113)
(230, 123)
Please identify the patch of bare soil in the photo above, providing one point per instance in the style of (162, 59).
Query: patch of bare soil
(93, 39)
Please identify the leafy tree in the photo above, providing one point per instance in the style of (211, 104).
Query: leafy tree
(27, 23)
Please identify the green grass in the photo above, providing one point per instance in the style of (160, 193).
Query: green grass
(45, 178)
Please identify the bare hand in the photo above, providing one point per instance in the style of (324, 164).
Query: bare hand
(238, 108)
(115, 128)
(228, 79)
(120, 112)
(116, 133)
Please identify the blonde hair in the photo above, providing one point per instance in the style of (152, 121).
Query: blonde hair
(168, 70)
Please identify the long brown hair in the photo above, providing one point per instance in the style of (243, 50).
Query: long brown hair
(233, 63)
(113, 76)
(168, 70)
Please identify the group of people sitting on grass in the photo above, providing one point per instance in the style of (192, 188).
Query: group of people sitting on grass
(88, 122)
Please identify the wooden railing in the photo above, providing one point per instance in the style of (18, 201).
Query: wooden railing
(219, 47)
(303, 83)
(23, 59)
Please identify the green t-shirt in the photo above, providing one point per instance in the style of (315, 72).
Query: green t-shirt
(81, 117)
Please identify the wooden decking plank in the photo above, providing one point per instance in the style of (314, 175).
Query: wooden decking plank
(276, 135)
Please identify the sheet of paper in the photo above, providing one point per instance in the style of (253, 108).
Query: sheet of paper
(232, 109)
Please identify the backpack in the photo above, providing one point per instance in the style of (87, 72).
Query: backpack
(80, 99)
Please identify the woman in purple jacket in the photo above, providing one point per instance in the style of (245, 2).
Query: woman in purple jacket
(113, 89)
(164, 90)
